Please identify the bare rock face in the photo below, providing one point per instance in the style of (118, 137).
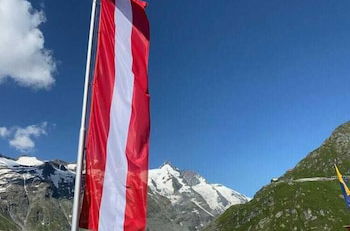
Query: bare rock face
(37, 195)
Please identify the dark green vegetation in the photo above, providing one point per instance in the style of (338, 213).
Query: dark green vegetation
(296, 203)
(320, 162)
(7, 224)
(289, 206)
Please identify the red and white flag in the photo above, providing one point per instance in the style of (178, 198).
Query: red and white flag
(117, 143)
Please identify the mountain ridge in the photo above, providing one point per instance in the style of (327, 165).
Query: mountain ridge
(37, 195)
(190, 195)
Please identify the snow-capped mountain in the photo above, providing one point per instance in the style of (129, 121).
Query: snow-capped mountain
(184, 200)
(29, 169)
(37, 195)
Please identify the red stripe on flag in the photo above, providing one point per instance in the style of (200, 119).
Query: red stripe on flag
(102, 91)
(138, 136)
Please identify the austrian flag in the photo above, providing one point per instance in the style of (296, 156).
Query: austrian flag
(117, 141)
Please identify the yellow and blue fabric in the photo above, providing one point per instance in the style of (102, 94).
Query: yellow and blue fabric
(344, 187)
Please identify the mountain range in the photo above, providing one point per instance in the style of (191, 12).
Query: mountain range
(37, 195)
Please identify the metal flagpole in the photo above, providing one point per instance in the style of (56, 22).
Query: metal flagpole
(77, 188)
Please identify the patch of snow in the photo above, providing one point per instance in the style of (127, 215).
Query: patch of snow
(202, 207)
(231, 195)
(7, 162)
(195, 211)
(209, 194)
(29, 161)
(4, 171)
(72, 167)
(24, 184)
(4, 188)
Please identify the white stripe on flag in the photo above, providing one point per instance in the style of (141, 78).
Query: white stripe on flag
(112, 211)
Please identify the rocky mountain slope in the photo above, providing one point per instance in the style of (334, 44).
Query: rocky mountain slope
(307, 197)
(183, 200)
(37, 195)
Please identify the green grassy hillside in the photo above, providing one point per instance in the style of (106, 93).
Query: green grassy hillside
(293, 203)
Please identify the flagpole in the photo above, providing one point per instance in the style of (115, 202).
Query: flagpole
(77, 187)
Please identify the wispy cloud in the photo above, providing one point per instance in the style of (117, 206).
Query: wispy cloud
(4, 132)
(22, 139)
(23, 56)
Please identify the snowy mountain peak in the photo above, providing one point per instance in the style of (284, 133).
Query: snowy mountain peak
(189, 189)
(167, 165)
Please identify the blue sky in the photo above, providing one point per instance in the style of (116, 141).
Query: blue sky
(241, 90)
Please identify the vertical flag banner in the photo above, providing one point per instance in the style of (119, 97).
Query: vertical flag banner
(117, 142)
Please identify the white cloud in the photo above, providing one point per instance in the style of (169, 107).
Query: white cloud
(22, 143)
(22, 139)
(23, 56)
(4, 132)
